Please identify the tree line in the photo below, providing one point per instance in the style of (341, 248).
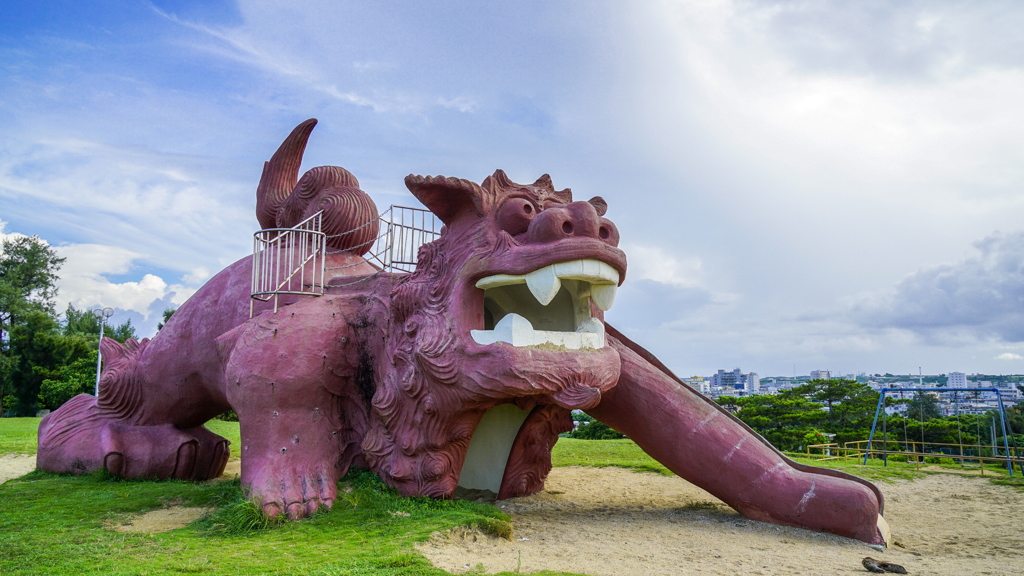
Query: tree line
(45, 359)
(795, 418)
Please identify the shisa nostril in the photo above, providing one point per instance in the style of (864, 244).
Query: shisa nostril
(567, 227)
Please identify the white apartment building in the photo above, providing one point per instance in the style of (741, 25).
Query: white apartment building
(956, 380)
(821, 375)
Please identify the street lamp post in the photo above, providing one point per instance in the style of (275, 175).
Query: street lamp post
(102, 314)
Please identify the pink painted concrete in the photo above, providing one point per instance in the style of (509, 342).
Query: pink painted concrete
(383, 372)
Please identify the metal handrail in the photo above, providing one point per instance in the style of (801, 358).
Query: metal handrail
(280, 257)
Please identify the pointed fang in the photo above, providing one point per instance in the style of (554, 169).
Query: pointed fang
(603, 295)
(544, 284)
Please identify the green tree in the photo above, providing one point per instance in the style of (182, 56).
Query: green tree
(41, 350)
(28, 274)
(850, 404)
(168, 312)
(74, 371)
(80, 321)
(1015, 418)
(67, 381)
(121, 332)
(923, 406)
(87, 324)
(595, 431)
(591, 429)
(783, 419)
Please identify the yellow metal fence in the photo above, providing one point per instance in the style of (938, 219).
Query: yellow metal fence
(915, 452)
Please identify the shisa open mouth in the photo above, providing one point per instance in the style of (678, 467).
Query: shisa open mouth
(550, 305)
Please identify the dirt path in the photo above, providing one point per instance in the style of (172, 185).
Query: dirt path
(615, 522)
(15, 465)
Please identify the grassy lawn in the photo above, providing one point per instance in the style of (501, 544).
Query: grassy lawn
(18, 435)
(56, 524)
(604, 453)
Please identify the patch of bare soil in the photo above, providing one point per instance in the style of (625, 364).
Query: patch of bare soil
(615, 522)
(15, 465)
(162, 520)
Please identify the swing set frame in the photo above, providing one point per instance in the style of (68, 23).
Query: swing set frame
(1002, 420)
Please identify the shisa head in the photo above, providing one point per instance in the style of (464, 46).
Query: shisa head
(527, 275)
(506, 307)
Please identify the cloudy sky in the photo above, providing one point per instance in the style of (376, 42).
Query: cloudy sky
(798, 185)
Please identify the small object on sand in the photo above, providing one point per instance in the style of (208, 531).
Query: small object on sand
(872, 565)
(882, 566)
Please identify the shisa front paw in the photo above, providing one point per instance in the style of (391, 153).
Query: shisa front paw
(297, 493)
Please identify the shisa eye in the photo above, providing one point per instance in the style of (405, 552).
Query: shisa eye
(515, 215)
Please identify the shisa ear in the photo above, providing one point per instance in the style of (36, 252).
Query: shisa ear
(447, 198)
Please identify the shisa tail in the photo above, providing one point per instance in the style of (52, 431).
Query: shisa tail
(706, 445)
(280, 174)
(283, 200)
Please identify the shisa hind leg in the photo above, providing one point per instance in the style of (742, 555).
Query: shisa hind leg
(129, 430)
(81, 437)
(709, 447)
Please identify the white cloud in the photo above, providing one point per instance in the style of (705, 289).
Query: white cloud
(1009, 356)
(196, 276)
(658, 264)
(460, 103)
(150, 202)
(84, 284)
(239, 44)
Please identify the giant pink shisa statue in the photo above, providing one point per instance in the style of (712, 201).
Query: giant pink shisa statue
(460, 373)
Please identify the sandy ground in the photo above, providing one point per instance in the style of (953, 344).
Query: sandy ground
(616, 522)
(162, 520)
(611, 521)
(15, 465)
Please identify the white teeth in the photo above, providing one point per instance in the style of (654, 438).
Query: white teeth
(543, 284)
(587, 279)
(517, 331)
(591, 326)
(603, 295)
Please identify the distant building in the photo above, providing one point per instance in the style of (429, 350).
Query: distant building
(821, 375)
(752, 383)
(736, 380)
(699, 384)
(956, 380)
(723, 379)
